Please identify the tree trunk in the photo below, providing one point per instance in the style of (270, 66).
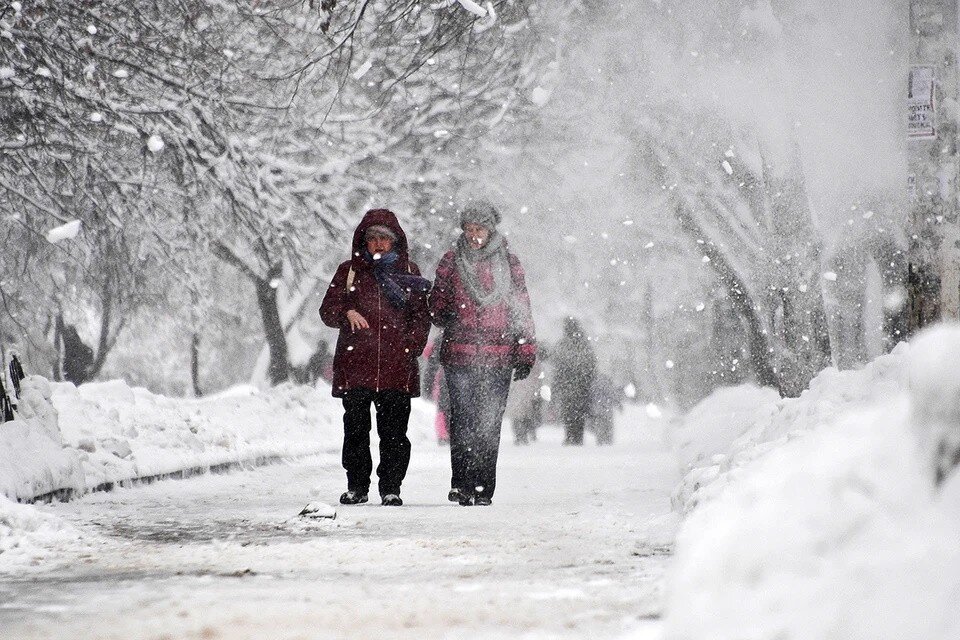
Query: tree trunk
(933, 274)
(892, 262)
(805, 348)
(761, 352)
(195, 364)
(279, 369)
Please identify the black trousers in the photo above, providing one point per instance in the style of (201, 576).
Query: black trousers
(574, 419)
(393, 414)
(478, 398)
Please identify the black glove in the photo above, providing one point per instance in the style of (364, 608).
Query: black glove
(521, 371)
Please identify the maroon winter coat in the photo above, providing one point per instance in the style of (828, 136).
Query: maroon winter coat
(482, 336)
(383, 357)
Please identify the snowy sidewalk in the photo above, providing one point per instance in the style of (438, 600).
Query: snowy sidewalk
(222, 556)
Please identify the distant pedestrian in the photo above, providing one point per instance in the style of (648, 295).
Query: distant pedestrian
(606, 399)
(574, 366)
(377, 300)
(480, 299)
(436, 388)
(525, 406)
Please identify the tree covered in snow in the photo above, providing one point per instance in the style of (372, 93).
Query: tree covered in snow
(731, 140)
(251, 132)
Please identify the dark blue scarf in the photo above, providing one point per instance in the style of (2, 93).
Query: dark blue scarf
(396, 286)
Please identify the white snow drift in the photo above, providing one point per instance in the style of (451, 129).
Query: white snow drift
(820, 519)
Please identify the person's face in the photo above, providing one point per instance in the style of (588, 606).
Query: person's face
(477, 234)
(377, 243)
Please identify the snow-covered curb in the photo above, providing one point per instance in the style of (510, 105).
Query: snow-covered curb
(821, 519)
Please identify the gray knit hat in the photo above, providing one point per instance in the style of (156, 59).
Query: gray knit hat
(380, 230)
(480, 212)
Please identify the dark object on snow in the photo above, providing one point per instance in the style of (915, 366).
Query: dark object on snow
(606, 401)
(318, 510)
(77, 356)
(6, 407)
(16, 374)
(574, 370)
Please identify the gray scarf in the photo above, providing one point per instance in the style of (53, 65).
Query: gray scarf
(467, 258)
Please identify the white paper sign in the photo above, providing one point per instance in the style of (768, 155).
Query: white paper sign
(920, 104)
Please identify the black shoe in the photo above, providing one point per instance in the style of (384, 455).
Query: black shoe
(391, 500)
(482, 501)
(455, 495)
(353, 497)
(465, 501)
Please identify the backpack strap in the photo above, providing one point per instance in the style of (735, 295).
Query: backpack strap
(351, 275)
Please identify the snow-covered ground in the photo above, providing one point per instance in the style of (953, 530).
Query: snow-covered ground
(816, 517)
(223, 556)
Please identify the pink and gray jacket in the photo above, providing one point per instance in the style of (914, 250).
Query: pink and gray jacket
(498, 335)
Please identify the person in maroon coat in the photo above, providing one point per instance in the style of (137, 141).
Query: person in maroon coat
(480, 299)
(378, 301)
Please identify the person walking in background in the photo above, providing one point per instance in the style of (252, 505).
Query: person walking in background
(574, 366)
(525, 406)
(480, 300)
(606, 399)
(436, 387)
(377, 300)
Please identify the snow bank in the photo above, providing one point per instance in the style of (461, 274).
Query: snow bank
(27, 535)
(74, 439)
(735, 425)
(717, 421)
(822, 520)
(33, 460)
(125, 432)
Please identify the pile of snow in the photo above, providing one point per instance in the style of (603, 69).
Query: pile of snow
(735, 425)
(823, 520)
(123, 432)
(33, 460)
(711, 427)
(27, 535)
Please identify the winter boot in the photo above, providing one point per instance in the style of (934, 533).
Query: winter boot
(455, 495)
(353, 497)
(392, 500)
(482, 501)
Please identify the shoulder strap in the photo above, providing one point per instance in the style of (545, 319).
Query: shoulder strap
(350, 277)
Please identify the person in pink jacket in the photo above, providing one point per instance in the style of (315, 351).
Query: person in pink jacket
(480, 299)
